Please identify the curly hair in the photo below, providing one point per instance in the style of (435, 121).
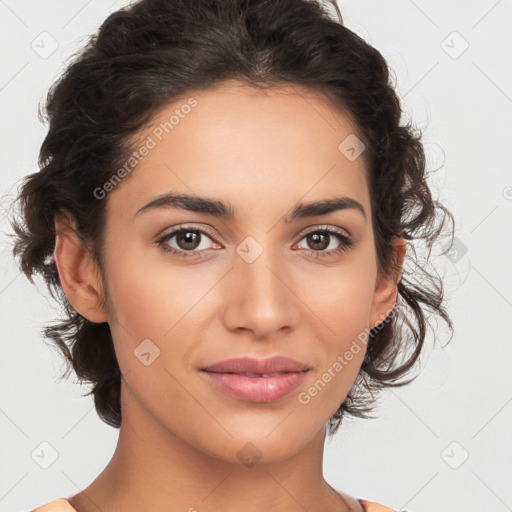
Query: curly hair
(146, 55)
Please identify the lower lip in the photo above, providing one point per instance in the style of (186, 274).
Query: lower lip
(255, 389)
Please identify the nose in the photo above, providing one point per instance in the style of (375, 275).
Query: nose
(259, 297)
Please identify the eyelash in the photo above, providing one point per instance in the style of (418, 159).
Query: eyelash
(346, 241)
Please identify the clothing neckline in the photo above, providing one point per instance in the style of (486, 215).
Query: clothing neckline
(63, 505)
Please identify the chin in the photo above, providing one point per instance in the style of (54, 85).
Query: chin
(262, 447)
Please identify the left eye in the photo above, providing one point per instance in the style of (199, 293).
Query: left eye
(323, 239)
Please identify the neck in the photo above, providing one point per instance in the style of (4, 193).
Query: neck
(153, 468)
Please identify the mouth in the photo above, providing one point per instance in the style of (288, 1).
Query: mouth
(253, 375)
(271, 366)
(255, 387)
(256, 380)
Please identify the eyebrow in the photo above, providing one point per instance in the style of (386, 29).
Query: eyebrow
(226, 211)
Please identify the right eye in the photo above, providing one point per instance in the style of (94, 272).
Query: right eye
(188, 240)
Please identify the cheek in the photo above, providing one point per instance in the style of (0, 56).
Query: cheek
(150, 296)
(342, 297)
(149, 326)
(158, 303)
(342, 309)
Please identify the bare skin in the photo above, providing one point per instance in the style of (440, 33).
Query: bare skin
(181, 439)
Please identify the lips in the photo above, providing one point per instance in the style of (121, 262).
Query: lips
(256, 380)
(258, 367)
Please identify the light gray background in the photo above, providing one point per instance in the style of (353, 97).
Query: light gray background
(414, 455)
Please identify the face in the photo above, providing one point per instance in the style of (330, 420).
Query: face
(264, 279)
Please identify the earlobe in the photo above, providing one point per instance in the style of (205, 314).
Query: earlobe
(386, 287)
(78, 274)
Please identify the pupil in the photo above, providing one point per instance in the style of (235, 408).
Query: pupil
(315, 239)
(190, 239)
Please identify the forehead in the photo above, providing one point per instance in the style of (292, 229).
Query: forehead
(243, 144)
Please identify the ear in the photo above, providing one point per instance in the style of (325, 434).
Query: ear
(386, 286)
(78, 275)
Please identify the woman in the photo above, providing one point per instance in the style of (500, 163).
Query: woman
(223, 208)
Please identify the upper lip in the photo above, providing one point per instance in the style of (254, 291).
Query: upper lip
(276, 364)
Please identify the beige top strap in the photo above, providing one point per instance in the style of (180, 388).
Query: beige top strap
(58, 505)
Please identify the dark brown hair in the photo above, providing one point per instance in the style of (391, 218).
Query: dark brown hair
(148, 54)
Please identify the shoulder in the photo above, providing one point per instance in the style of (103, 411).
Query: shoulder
(58, 505)
(372, 506)
(360, 505)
